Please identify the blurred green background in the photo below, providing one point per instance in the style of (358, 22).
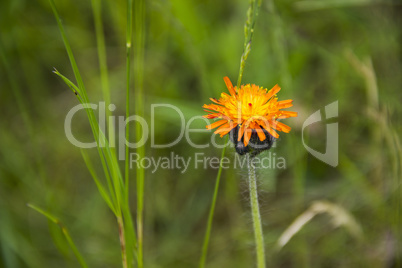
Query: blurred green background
(317, 51)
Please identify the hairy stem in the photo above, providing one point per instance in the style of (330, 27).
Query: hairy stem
(255, 211)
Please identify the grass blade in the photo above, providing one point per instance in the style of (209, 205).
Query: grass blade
(100, 40)
(101, 188)
(64, 231)
(139, 110)
(211, 212)
(108, 158)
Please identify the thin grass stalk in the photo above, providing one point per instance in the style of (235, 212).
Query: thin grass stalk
(108, 159)
(100, 41)
(211, 212)
(139, 111)
(106, 170)
(101, 189)
(81, 94)
(129, 38)
(109, 164)
(252, 14)
(129, 237)
(65, 232)
(122, 238)
(129, 234)
(101, 47)
(255, 212)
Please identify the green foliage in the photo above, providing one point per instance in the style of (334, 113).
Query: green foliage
(317, 51)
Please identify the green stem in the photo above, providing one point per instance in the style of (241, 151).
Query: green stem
(128, 72)
(128, 234)
(255, 211)
(122, 241)
(211, 212)
(139, 110)
(100, 40)
(252, 15)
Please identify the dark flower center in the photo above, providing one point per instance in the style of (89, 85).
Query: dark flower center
(255, 145)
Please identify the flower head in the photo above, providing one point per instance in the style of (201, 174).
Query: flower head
(250, 115)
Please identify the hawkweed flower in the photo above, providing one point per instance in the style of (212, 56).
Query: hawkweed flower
(250, 115)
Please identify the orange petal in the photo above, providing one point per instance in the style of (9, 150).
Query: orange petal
(286, 114)
(225, 132)
(216, 124)
(212, 115)
(215, 100)
(226, 127)
(212, 107)
(273, 91)
(282, 127)
(241, 132)
(229, 86)
(270, 130)
(209, 116)
(247, 136)
(285, 104)
(221, 128)
(260, 133)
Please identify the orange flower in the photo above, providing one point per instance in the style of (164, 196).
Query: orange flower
(250, 110)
